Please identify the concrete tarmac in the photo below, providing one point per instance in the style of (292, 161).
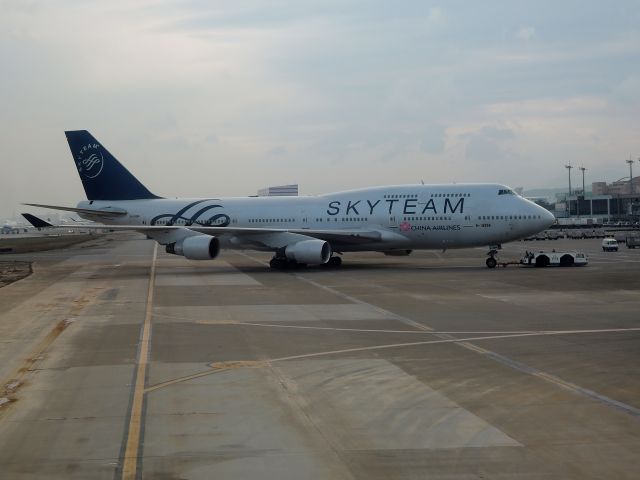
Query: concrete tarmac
(118, 361)
(38, 241)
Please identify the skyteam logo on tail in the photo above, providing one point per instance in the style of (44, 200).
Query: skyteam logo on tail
(90, 161)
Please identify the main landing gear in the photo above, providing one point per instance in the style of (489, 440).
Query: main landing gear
(334, 262)
(283, 263)
(493, 251)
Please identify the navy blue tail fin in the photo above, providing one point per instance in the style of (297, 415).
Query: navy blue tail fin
(103, 177)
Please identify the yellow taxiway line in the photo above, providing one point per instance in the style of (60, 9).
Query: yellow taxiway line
(130, 462)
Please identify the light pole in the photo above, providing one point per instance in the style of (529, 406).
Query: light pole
(569, 167)
(630, 162)
(584, 194)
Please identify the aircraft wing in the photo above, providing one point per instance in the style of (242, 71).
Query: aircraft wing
(354, 236)
(342, 236)
(334, 236)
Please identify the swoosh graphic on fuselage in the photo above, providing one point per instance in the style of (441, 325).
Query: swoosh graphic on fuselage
(174, 217)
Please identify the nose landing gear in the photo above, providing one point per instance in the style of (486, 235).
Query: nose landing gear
(493, 251)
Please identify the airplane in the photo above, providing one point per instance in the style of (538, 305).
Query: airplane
(307, 230)
(12, 227)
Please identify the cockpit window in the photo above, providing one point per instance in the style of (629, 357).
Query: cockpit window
(505, 191)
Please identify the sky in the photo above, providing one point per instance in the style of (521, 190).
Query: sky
(219, 98)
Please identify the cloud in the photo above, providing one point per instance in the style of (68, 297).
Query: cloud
(526, 33)
(211, 139)
(550, 107)
(433, 139)
(627, 92)
(385, 91)
(488, 144)
(278, 151)
(436, 19)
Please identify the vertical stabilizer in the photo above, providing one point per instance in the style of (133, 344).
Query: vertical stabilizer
(103, 177)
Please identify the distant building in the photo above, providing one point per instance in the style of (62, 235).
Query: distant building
(599, 188)
(279, 191)
(607, 201)
(619, 187)
(602, 207)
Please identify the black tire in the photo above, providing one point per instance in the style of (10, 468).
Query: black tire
(566, 260)
(542, 261)
(334, 262)
(491, 262)
(278, 263)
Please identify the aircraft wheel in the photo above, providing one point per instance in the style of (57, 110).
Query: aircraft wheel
(491, 262)
(334, 262)
(278, 263)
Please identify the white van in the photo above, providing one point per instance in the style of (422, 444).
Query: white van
(609, 245)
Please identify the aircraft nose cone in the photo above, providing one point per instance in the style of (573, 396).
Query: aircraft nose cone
(548, 217)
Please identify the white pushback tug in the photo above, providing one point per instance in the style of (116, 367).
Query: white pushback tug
(554, 259)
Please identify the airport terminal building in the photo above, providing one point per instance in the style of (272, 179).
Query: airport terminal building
(618, 201)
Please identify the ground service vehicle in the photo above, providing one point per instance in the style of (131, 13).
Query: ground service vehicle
(609, 245)
(554, 259)
(633, 241)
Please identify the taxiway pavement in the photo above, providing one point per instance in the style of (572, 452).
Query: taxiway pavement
(118, 361)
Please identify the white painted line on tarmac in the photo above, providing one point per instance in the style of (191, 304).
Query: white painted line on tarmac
(459, 341)
(351, 299)
(446, 338)
(438, 332)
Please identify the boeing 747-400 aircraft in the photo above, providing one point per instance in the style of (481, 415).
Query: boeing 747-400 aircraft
(392, 219)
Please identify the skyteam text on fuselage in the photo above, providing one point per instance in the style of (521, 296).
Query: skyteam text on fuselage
(392, 219)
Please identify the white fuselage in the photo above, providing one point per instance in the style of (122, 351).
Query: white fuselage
(409, 216)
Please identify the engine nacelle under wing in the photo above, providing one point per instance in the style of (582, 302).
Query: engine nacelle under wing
(198, 247)
(309, 251)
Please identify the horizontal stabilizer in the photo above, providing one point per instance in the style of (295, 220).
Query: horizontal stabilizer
(35, 221)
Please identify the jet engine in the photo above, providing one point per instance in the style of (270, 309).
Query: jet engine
(198, 247)
(309, 251)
